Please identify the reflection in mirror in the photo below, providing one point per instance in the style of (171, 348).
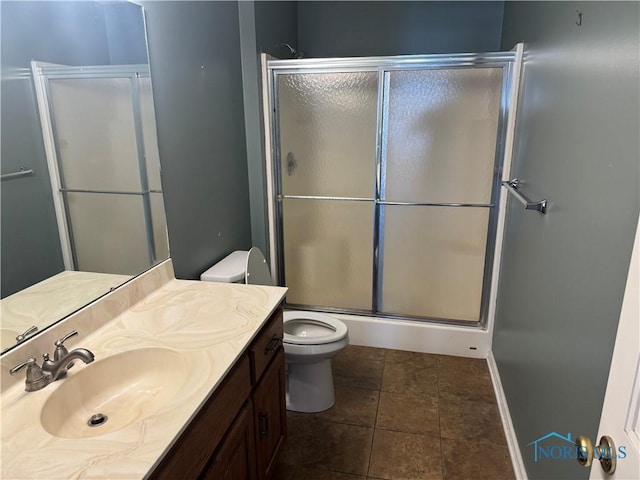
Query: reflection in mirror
(86, 212)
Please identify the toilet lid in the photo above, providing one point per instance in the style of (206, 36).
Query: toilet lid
(257, 269)
(228, 270)
(311, 328)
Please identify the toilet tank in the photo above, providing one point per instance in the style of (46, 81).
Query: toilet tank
(231, 269)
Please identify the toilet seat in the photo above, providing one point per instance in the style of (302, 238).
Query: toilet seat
(312, 328)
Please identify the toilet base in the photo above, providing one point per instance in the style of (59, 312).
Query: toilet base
(310, 387)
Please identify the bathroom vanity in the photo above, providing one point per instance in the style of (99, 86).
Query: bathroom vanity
(238, 432)
(189, 374)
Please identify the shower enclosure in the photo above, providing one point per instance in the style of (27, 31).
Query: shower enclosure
(386, 181)
(100, 136)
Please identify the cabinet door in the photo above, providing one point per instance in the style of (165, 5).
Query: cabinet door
(204, 435)
(270, 415)
(235, 458)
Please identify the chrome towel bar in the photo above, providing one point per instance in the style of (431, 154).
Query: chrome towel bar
(21, 173)
(514, 188)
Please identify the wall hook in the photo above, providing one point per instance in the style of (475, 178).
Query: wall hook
(579, 22)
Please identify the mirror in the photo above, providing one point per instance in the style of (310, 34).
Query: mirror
(81, 201)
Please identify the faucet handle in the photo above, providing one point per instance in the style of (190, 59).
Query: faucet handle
(27, 363)
(27, 333)
(36, 378)
(61, 351)
(58, 343)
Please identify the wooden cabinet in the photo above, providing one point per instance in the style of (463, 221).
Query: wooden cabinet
(235, 458)
(265, 347)
(195, 447)
(238, 432)
(270, 415)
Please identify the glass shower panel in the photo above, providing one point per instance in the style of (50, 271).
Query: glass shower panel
(441, 129)
(327, 125)
(108, 232)
(95, 133)
(433, 262)
(328, 251)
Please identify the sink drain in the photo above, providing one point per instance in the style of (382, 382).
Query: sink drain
(97, 420)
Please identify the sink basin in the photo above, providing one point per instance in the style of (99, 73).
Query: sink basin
(110, 394)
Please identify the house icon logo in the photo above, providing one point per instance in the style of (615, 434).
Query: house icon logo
(555, 446)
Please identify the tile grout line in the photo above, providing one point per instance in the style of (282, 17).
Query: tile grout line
(375, 422)
(405, 431)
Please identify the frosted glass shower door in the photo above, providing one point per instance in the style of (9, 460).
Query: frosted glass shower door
(101, 180)
(439, 169)
(327, 124)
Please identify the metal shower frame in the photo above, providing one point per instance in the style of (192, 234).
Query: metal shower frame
(42, 74)
(384, 65)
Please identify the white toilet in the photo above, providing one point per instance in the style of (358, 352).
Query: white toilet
(311, 339)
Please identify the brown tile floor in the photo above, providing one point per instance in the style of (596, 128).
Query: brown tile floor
(400, 415)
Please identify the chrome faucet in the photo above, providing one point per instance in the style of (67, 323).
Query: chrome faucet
(52, 370)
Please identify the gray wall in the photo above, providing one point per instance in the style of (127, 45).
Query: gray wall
(276, 23)
(70, 33)
(29, 233)
(194, 50)
(330, 29)
(563, 274)
(263, 27)
(126, 37)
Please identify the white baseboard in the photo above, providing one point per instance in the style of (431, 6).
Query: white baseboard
(417, 336)
(509, 431)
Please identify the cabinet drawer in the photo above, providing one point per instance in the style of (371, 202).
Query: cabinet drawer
(265, 347)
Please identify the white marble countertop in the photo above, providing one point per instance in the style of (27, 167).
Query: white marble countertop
(209, 324)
